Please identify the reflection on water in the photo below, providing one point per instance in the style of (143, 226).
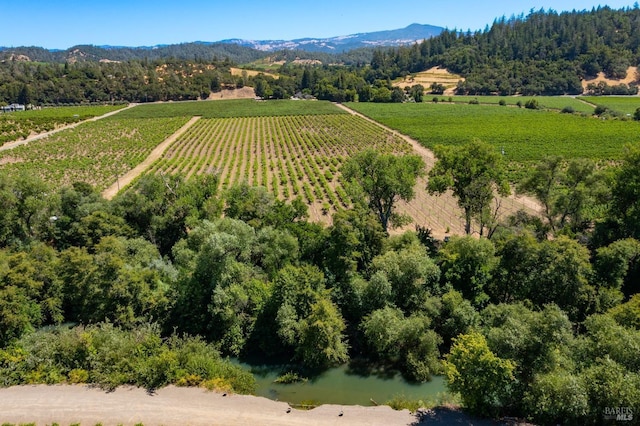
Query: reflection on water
(342, 385)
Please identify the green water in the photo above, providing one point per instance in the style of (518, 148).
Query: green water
(341, 386)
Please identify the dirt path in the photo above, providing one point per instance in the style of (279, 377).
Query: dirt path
(12, 145)
(441, 213)
(173, 406)
(157, 152)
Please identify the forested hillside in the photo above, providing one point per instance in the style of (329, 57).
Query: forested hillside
(184, 51)
(130, 81)
(543, 53)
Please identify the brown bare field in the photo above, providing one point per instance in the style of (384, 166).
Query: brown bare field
(433, 75)
(633, 75)
(243, 93)
(250, 73)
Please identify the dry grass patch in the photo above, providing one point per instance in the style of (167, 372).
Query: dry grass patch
(434, 75)
(633, 75)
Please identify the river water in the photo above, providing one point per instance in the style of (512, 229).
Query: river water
(341, 385)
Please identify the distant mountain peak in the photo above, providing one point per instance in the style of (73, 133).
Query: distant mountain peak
(408, 35)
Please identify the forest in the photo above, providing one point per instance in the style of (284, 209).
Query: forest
(543, 53)
(539, 319)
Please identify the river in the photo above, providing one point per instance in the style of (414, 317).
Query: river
(341, 385)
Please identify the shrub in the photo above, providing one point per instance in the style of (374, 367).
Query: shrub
(568, 110)
(600, 109)
(502, 102)
(109, 357)
(532, 104)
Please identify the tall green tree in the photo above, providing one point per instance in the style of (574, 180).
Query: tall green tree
(480, 376)
(322, 342)
(474, 172)
(625, 206)
(380, 181)
(567, 193)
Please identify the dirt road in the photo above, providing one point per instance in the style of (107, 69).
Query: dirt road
(12, 145)
(441, 213)
(67, 404)
(157, 152)
(174, 406)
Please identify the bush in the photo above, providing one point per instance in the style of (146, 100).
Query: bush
(532, 104)
(600, 109)
(110, 357)
(502, 102)
(568, 110)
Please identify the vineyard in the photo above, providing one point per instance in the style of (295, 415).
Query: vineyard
(232, 108)
(290, 156)
(625, 105)
(525, 136)
(19, 125)
(95, 152)
(292, 148)
(545, 102)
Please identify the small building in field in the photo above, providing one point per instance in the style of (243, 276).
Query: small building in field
(13, 107)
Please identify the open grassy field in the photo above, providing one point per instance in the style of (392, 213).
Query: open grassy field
(545, 102)
(624, 104)
(21, 124)
(525, 135)
(231, 108)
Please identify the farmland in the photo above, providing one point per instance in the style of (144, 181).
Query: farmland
(290, 156)
(19, 125)
(231, 108)
(625, 105)
(292, 148)
(525, 135)
(545, 102)
(95, 152)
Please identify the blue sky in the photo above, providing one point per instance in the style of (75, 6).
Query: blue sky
(62, 24)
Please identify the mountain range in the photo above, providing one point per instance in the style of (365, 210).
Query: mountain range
(339, 44)
(238, 50)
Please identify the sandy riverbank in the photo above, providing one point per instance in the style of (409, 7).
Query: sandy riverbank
(70, 404)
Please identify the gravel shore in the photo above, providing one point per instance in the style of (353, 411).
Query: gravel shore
(173, 406)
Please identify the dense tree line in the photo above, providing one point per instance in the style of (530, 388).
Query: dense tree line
(527, 325)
